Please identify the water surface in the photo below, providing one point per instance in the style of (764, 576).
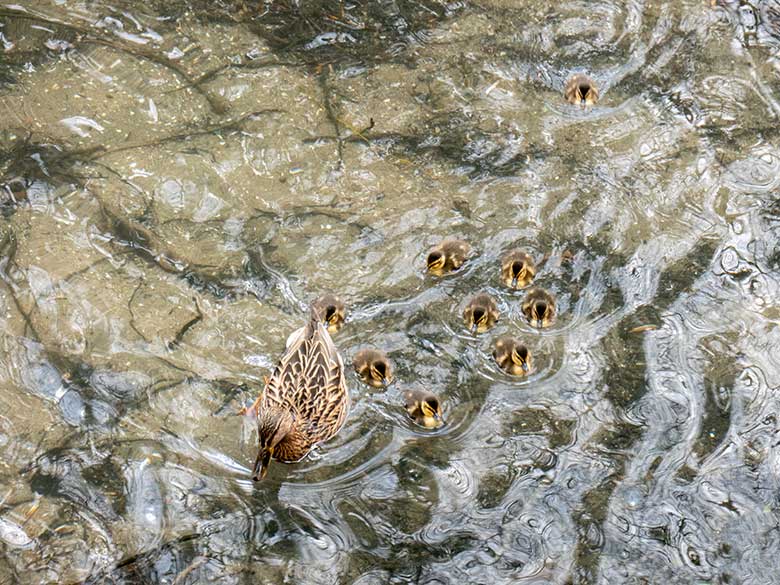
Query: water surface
(179, 179)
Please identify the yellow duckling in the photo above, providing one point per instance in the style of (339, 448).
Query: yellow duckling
(305, 400)
(539, 307)
(447, 256)
(481, 313)
(373, 367)
(332, 310)
(512, 356)
(580, 89)
(424, 407)
(517, 269)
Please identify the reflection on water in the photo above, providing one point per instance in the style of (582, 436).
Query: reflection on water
(179, 179)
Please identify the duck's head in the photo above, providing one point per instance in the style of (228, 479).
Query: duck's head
(481, 313)
(436, 260)
(512, 356)
(539, 307)
(273, 425)
(447, 256)
(373, 367)
(541, 313)
(580, 89)
(331, 310)
(517, 269)
(424, 407)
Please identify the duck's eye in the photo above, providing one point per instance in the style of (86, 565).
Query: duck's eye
(517, 268)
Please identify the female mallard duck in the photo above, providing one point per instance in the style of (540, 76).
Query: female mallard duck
(424, 407)
(481, 313)
(447, 256)
(580, 89)
(305, 400)
(539, 307)
(332, 311)
(512, 356)
(517, 269)
(373, 367)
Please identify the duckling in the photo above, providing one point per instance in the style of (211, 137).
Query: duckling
(539, 307)
(305, 401)
(447, 256)
(517, 269)
(332, 310)
(580, 89)
(481, 313)
(373, 367)
(512, 356)
(424, 407)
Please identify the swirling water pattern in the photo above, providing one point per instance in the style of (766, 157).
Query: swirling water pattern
(179, 179)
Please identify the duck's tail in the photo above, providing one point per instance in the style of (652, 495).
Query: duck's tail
(316, 318)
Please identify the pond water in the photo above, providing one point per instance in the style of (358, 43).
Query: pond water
(179, 180)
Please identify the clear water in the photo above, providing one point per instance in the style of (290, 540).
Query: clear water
(180, 179)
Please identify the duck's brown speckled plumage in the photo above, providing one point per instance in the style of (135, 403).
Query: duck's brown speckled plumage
(305, 400)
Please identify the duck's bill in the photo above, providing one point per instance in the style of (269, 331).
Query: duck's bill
(387, 381)
(474, 328)
(514, 282)
(261, 465)
(525, 367)
(539, 323)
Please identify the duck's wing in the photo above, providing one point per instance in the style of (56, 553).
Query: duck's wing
(322, 397)
(279, 388)
(309, 380)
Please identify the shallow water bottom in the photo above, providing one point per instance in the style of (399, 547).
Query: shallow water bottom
(180, 180)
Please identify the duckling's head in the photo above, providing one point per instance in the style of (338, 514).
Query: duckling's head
(373, 367)
(481, 313)
(512, 356)
(580, 89)
(436, 260)
(447, 256)
(517, 269)
(331, 310)
(539, 308)
(424, 407)
(273, 425)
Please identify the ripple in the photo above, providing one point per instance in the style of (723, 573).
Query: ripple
(641, 446)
